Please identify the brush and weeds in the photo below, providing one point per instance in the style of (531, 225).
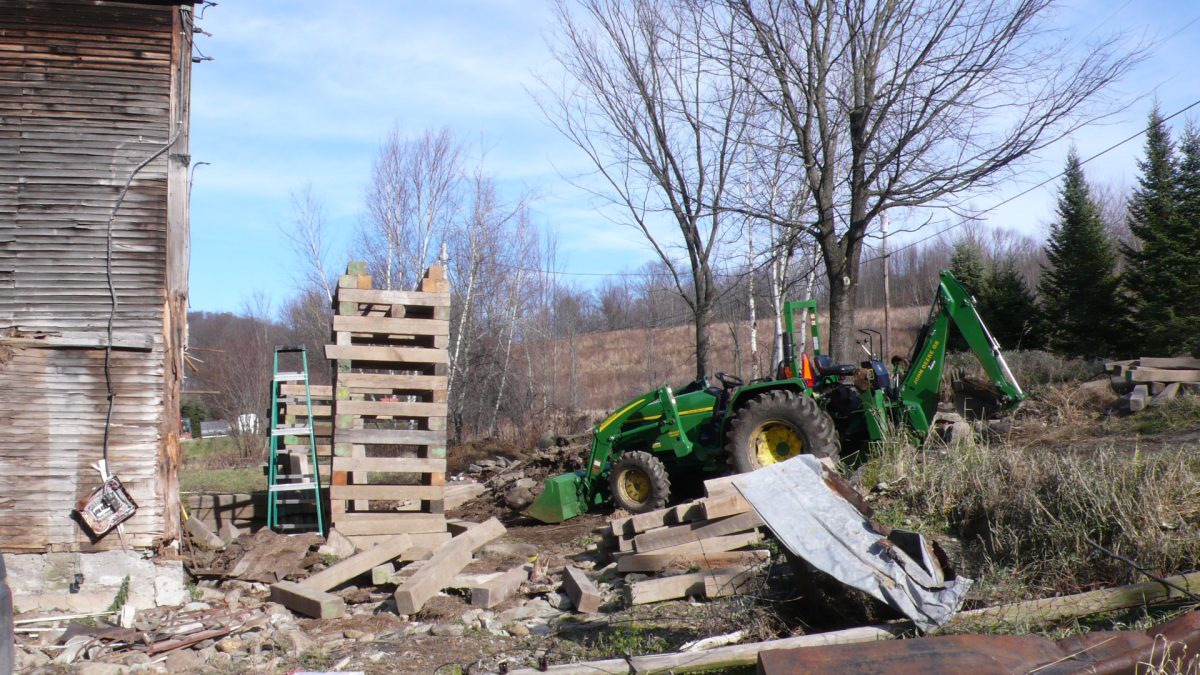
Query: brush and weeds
(1031, 522)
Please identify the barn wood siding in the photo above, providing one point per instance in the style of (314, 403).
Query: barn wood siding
(87, 91)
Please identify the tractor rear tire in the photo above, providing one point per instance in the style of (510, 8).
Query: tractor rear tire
(777, 426)
(639, 482)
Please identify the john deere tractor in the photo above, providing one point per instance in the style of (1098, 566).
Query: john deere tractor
(810, 405)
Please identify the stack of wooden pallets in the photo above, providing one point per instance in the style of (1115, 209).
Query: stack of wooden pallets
(389, 410)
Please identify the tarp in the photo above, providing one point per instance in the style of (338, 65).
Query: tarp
(819, 518)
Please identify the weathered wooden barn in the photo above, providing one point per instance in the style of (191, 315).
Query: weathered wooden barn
(94, 110)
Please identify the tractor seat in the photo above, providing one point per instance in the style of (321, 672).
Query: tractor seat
(826, 367)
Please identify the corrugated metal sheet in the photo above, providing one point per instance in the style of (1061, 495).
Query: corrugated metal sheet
(87, 91)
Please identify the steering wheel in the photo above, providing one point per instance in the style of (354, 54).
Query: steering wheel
(729, 381)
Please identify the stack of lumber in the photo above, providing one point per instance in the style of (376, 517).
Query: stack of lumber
(416, 582)
(1151, 382)
(710, 535)
(389, 409)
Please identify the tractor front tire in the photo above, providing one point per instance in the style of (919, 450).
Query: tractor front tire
(639, 482)
(777, 426)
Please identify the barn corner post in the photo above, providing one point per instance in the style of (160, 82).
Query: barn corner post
(177, 266)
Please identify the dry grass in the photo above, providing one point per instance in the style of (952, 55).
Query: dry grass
(1029, 519)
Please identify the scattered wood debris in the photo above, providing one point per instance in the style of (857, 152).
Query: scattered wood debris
(708, 534)
(1150, 382)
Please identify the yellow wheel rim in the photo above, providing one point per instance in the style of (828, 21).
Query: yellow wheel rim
(634, 486)
(775, 441)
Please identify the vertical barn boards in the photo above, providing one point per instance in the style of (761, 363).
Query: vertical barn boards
(88, 90)
(389, 408)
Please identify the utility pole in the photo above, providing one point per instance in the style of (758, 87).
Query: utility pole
(887, 291)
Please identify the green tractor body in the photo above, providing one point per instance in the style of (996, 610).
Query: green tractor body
(809, 406)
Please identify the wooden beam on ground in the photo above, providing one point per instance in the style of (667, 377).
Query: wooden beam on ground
(359, 563)
(1141, 374)
(447, 561)
(581, 590)
(1137, 398)
(675, 587)
(727, 542)
(697, 531)
(498, 589)
(719, 487)
(727, 505)
(731, 583)
(307, 600)
(659, 562)
(382, 574)
(1168, 393)
(1171, 363)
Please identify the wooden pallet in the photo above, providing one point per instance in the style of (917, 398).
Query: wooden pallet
(389, 407)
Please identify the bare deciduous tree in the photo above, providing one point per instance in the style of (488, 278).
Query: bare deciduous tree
(903, 104)
(412, 200)
(659, 119)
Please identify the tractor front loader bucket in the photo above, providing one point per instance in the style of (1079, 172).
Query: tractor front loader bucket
(560, 499)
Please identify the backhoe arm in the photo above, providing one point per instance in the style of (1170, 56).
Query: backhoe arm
(921, 386)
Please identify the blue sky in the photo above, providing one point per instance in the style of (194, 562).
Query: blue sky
(304, 92)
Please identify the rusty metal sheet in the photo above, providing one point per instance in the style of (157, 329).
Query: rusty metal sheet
(820, 518)
(1106, 653)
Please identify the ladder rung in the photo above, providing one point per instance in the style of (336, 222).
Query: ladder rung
(296, 526)
(289, 377)
(291, 431)
(285, 487)
(294, 502)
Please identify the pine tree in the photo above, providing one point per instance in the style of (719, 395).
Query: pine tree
(1080, 290)
(967, 266)
(1010, 310)
(1160, 278)
(1188, 240)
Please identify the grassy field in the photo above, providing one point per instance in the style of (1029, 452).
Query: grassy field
(217, 465)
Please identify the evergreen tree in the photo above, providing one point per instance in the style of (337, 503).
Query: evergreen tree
(1161, 274)
(1010, 310)
(967, 266)
(1188, 240)
(1080, 290)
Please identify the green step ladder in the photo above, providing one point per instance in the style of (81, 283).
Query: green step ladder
(293, 477)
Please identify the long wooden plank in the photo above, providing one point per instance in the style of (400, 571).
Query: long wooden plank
(390, 437)
(352, 524)
(446, 561)
(1141, 374)
(672, 588)
(382, 325)
(356, 381)
(381, 354)
(1156, 362)
(694, 532)
(727, 505)
(385, 492)
(391, 408)
(391, 464)
(360, 563)
(658, 562)
(390, 297)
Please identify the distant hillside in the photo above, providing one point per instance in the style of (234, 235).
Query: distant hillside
(612, 367)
